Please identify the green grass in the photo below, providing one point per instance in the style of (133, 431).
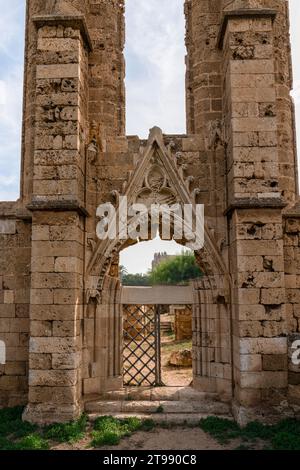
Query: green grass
(110, 431)
(18, 435)
(282, 436)
(33, 442)
(223, 430)
(68, 432)
(11, 423)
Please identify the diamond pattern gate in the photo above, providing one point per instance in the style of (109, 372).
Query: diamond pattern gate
(141, 355)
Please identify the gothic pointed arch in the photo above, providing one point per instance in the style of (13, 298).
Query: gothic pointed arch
(157, 179)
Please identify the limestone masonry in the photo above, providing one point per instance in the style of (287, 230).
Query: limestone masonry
(60, 307)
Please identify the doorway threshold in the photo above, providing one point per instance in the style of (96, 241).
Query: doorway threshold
(175, 404)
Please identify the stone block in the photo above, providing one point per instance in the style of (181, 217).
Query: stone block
(263, 346)
(54, 312)
(252, 66)
(40, 232)
(272, 296)
(66, 361)
(52, 378)
(58, 71)
(7, 227)
(15, 368)
(68, 265)
(7, 311)
(42, 264)
(40, 328)
(55, 395)
(40, 361)
(9, 297)
(66, 328)
(58, 44)
(251, 363)
(53, 345)
(263, 379)
(274, 362)
(41, 296)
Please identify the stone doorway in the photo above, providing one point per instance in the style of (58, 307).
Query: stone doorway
(157, 340)
(157, 345)
(141, 345)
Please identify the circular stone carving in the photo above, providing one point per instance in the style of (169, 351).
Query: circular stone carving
(156, 180)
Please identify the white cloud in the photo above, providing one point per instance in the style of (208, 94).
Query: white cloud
(11, 84)
(155, 41)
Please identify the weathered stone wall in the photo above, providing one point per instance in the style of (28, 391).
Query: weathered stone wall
(292, 282)
(15, 251)
(182, 322)
(255, 203)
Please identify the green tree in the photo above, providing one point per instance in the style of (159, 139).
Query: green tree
(135, 280)
(176, 270)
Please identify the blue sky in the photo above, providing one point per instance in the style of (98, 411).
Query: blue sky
(154, 84)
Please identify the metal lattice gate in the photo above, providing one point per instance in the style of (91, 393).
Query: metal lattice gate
(141, 355)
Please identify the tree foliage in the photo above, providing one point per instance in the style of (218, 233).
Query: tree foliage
(133, 279)
(176, 270)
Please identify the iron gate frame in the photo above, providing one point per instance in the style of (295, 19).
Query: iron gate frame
(136, 376)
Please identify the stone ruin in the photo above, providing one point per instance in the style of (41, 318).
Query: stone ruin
(60, 311)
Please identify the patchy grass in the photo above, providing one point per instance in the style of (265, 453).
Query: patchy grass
(68, 432)
(18, 435)
(282, 436)
(170, 347)
(11, 423)
(109, 431)
(33, 442)
(223, 430)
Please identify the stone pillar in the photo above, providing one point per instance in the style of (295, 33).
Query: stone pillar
(107, 69)
(55, 317)
(57, 256)
(203, 79)
(204, 106)
(47, 10)
(254, 208)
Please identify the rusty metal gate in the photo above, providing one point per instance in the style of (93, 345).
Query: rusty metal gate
(141, 355)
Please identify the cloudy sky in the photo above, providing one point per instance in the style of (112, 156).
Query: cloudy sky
(154, 84)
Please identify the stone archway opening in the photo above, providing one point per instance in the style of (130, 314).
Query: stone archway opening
(146, 386)
(157, 314)
(158, 180)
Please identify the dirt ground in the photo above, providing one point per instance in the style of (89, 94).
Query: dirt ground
(174, 376)
(179, 438)
(171, 439)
